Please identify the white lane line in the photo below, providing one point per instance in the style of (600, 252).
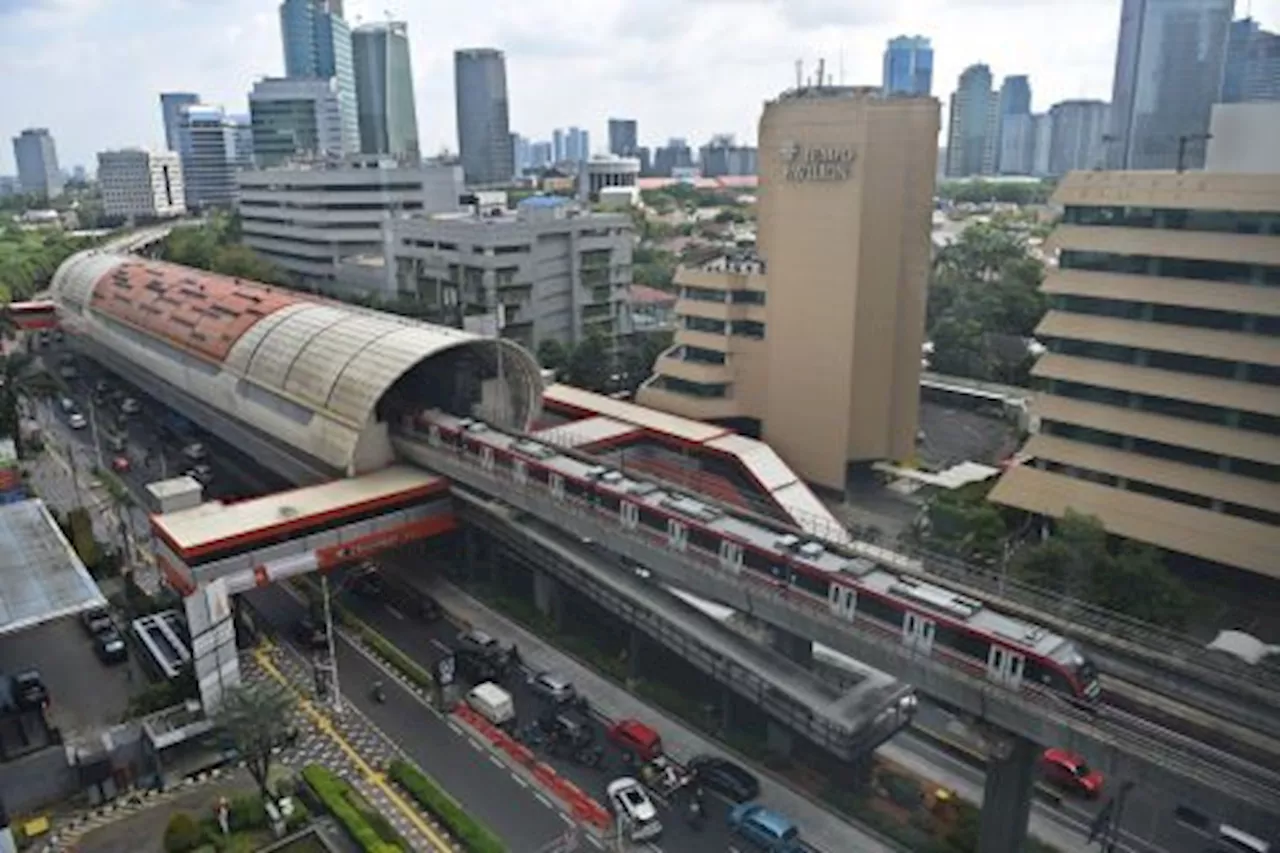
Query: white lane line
(441, 646)
(496, 763)
(542, 799)
(519, 780)
(564, 817)
(477, 747)
(457, 730)
(394, 612)
(596, 841)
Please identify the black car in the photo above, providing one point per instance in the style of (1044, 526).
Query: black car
(29, 692)
(110, 647)
(724, 777)
(311, 633)
(96, 621)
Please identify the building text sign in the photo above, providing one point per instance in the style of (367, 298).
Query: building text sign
(814, 163)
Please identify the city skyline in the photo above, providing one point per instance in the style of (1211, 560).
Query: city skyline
(645, 69)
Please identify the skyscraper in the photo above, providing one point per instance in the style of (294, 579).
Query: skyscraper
(1252, 70)
(484, 133)
(213, 146)
(1015, 103)
(908, 66)
(558, 154)
(973, 132)
(291, 118)
(1169, 66)
(384, 90)
(1076, 138)
(622, 137)
(171, 106)
(577, 145)
(37, 159)
(1017, 144)
(317, 43)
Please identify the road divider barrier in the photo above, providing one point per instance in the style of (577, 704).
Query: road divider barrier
(584, 809)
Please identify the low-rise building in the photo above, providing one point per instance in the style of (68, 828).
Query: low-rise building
(606, 171)
(306, 216)
(548, 270)
(141, 184)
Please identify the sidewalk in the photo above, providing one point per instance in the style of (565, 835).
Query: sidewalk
(820, 827)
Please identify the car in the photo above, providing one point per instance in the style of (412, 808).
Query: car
(724, 777)
(483, 648)
(552, 687)
(194, 451)
(29, 692)
(311, 633)
(566, 729)
(767, 829)
(67, 404)
(121, 464)
(636, 738)
(77, 421)
(130, 406)
(633, 809)
(1069, 771)
(110, 647)
(96, 621)
(367, 581)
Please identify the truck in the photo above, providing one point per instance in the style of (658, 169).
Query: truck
(493, 703)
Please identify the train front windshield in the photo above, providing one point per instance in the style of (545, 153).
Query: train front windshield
(1087, 674)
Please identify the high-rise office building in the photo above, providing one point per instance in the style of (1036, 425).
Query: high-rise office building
(908, 66)
(540, 155)
(520, 153)
(1042, 129)
(973, 135)
(138, 183)
(171, 107)
(577, 145)
(1077, 136)
(557, 146)
(1252, 70)
(317, 43)
(1168, 74)
(484, 133)
(622, 137)
(676, 154)
(722, 156)
(37, 159)
(1015, 102)
(1157, 407)
(1239, 40)
(1017, 144)
(294, 118)
(214, 150)
(814, 342)
(384, 90)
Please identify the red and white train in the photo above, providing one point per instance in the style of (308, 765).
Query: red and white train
(1009, 651)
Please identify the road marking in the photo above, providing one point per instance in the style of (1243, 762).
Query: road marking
(394, 612)
(457, 730)
(477, 747)
(519, 781)
(441, 646)
(542, 799)
(596, 841)
(374, 777)
(496, 763)
(567, 819)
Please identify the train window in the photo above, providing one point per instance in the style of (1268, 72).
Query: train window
(704, 540)
(812, 583)
(539, 475)
(878, 608)
(608, 501)
(557, 486)
(1047, 675)
(629, 513)
(962, 642)
(575, 489)
(520, 471)
(653, 519)
(755, 561)
(486, 458)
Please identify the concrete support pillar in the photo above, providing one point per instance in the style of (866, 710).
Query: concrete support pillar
(793, 646)
(1006, 799)
(778, 738)
(213, 643)
(546, 597)
(635, 641)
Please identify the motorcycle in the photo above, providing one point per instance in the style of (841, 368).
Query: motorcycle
(379, 694)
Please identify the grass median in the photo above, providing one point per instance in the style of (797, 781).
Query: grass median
(368, 828)
(473, 835)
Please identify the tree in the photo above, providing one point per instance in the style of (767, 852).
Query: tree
(642, 351)
(552, 354)
(257, 719)
(590, 365)
(964, 524)
(959, 349)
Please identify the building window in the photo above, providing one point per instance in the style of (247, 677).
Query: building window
(1252, 514)
(1159, 267)
(748, 329)
(1175, 495)
(705, 390)
(701, 355)
(1218, 221)
(704, 324)
(702, 294)
(747, 297)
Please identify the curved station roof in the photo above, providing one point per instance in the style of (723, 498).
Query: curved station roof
(319, 374)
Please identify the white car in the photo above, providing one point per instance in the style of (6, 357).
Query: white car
(634, 809)
(77, 421)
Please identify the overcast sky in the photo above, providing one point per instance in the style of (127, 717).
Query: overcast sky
(91, 70)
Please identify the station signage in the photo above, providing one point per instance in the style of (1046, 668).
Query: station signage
(803, 164)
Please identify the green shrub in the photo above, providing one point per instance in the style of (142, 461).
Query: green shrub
(474, 836)
(182, 834)
(340, 799)
(247, 812)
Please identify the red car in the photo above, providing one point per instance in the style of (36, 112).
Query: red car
(121, 465)
(1068, 771)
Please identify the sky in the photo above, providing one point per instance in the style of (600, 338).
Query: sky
(92, 70)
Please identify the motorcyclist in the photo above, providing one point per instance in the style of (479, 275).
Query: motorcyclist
(378, 693)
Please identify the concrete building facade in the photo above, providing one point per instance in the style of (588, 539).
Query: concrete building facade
(213, 151)
(387, 114)
(484, 131)
(548, 270)
(1077, 131)
(304, 217)
(607, 170)
(141, 184)
(37, 160)
(973, 133)
(171, 107)
(1160, 411)
(291, 118)
(622, 137)
(813, 342)
(317, 43)
(1239, 132)
(908, 66)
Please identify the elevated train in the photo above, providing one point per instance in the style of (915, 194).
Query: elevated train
(1012, 652)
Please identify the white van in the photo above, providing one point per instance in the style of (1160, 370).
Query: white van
(492, 702)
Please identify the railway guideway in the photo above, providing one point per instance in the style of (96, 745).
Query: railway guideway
(1124, 746)
(213, 551)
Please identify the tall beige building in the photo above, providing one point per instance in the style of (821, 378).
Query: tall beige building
(814, 342)
(1161, 406)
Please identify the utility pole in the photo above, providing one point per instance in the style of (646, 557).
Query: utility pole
(93, 434)
(328, 630)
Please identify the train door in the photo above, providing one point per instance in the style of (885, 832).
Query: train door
(730, 556)
(629, 514)
(556, 483)
(520, 471)
(677, 535)
(843, 601)
(486, 458)
(1005, 666)
(917, 631)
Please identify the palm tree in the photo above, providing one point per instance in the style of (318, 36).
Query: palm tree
(257, 718)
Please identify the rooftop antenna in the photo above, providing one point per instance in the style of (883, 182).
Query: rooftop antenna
(822, 68)
(799, 73)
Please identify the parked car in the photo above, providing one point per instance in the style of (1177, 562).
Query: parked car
(552, 687)
(28, 690)
(479, 652)
(767, 829)
(118, 443)
(724, 777)
(366, 580)
(1069, 771)
(1232, 840)
(96, 621)
(77, 421)
(633, 809)
(101, 387)
(110, 647)
(636, 738)
(121, 464)
(567, 730)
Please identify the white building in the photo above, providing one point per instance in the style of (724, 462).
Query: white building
(1239, 137)
(607, 170)
(141, 184)
(305, 216)
(213, 147)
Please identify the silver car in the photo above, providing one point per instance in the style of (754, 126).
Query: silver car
(553, 687)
